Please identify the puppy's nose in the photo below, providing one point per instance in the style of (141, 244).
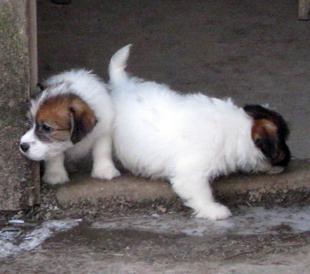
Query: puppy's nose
(24, 147)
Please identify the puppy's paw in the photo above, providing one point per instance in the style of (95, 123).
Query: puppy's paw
(55, 178)
(276, 170)
(213, 212)
(106, 172)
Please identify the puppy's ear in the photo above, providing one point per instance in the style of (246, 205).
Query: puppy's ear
(40, 87)
(83, 120)
(35, 93)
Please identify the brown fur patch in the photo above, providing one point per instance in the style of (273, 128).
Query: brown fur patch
(263, 129)
(68, 117)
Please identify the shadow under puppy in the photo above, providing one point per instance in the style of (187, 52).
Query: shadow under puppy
(191, 139)
(71, 118)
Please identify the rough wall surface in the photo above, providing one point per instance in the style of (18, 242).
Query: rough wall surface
(16, 184)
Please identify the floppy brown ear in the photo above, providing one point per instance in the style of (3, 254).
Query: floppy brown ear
(83, 120)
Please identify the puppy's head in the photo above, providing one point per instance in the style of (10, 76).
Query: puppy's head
(270, 133)
(58, 123)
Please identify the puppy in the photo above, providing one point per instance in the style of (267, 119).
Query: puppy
(71, 118)
(191, 139)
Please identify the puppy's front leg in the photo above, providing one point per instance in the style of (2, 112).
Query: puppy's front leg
(103, 167)
(55, 172)
(195, 189)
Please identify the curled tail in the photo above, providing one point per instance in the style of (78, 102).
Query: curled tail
(117, 66)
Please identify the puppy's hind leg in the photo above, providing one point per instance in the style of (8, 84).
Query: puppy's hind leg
(103, 167)
(194, 188)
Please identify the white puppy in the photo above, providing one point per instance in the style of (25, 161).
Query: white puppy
(190, 139)
(71, 118)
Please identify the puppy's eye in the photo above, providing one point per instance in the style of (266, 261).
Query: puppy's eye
(46, 128)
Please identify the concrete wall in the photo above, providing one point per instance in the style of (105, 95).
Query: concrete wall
(19, 186)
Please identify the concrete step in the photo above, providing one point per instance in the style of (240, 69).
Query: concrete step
(289, 187)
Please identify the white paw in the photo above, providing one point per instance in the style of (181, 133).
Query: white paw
(213, 212)
(105, 172)
(276, 170)
(54, 178)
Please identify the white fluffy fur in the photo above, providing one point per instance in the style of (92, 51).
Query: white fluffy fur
(92, 91)
(188, 139)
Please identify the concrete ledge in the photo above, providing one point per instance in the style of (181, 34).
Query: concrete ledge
(292, 186)
(128, 187)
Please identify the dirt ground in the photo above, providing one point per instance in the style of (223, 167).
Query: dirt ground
(87, 249)
(252, 51)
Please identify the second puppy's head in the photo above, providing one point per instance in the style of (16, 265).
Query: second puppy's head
(270, 133)
(59, 121)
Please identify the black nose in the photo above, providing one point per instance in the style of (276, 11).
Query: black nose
(24, 147)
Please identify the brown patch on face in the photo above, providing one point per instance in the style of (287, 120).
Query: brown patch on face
(269, 133)
(64, 117)
(263, 128)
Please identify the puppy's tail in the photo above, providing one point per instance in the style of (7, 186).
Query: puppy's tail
(117, 66)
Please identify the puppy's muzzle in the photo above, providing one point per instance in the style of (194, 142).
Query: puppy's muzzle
(24, 147)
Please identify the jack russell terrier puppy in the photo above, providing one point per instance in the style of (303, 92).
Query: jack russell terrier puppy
(191, 139)
(71, 118)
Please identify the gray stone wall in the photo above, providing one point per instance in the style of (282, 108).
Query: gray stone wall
(18, 186)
